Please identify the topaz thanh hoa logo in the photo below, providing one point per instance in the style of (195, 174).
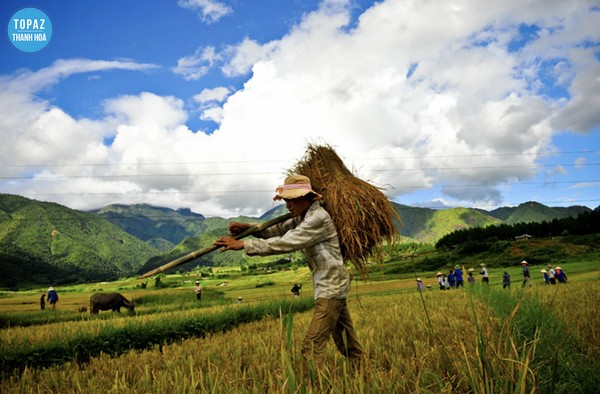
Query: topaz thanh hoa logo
(29, 30)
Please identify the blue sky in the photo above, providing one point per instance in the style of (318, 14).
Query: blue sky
(206, 103)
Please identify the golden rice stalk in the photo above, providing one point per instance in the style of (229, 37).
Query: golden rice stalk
(362, 214)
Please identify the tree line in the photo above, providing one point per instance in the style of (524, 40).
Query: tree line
(585, 223)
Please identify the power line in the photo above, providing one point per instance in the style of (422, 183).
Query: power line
(204, 192)
(536, 154)
(41, 178)
(500, 184)
(485, 167)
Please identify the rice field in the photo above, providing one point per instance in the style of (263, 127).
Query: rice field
(478, 339)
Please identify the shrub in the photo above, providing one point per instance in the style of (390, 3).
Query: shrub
(265, 283)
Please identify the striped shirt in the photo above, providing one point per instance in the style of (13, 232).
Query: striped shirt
(315, 235)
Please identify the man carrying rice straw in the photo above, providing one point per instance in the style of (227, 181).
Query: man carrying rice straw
(312, 231)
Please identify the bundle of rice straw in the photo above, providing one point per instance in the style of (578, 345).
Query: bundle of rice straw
(362, 214)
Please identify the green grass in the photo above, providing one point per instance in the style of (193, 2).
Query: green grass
(140, 335)
(561, 357)
(494, 340)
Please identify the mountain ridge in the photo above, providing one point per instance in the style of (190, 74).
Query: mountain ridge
(48, 242)
(53, 241)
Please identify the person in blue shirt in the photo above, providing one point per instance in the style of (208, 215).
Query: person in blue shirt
(452, 279)
(52, 297)
(458, 276)
(560, 275)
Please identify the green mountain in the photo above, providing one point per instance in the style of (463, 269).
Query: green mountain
(421, 224)
(44, 242)
(532, 211)
(274, 212)
(429, 225)
(215, 227)
(160, 227)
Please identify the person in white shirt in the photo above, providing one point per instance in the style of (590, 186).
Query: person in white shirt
(551, 274)
(312, 231)
(484, 274)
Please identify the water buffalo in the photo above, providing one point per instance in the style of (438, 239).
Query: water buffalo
(109, 301)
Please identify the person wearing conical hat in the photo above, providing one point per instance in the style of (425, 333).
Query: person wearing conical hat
(52, 297)
(561, 277)
(458, 276)
(420, 286)
(310, 230)
(198, 290)
(526, 275)
(545, 276)
(440, 278)
(551, 274)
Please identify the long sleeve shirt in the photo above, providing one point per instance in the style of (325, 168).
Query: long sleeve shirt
(458, 276)
(315, 235)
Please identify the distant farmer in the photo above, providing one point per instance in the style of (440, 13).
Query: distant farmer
(546, 277)
(451, 279)
(296, 290)
(471, 278)
(420, 286)
(505, 280)
(446, 283)
(561, 277)
(551, 274)
(312, 231)
(440, 278)
(198, 290)
(43, 301)
(52, 297)
(526, 275)
(484, 274)
(458, 276)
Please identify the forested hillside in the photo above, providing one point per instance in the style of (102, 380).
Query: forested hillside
(532, 211)
(429, 225)
(585, 223)
(49, 243)
(425, 224)
(160, 227)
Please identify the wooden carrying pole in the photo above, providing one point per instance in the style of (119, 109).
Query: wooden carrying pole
(201, 252)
